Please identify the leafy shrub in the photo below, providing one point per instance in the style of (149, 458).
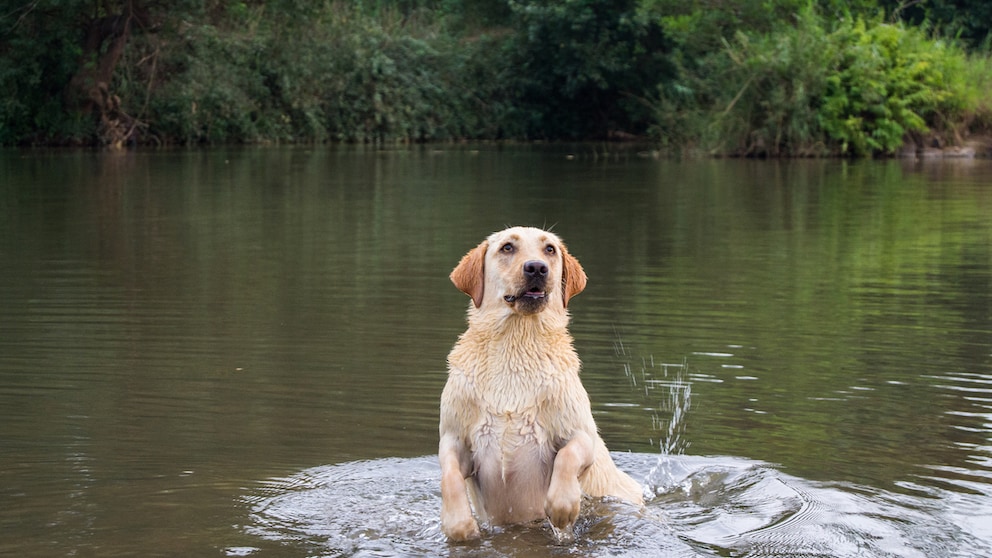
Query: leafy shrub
(36, 61)
(213, 92)
(970, 81)
(581, 64)
(803, 89)
(341, 75)
(781, 77)
(886, 81)
(754, 77)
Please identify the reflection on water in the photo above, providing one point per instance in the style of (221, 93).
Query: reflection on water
(179, 327)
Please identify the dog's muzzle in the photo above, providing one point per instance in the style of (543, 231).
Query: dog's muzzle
(536, 273)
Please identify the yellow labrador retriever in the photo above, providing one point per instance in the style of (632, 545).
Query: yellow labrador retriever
(518, 438)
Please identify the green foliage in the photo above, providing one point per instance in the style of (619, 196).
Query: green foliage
(885, 81)
(860, 88)
(591, 57)
(755, 95)
(778, 83)
(214, 95)
(754, 77)
(973, 84)
(342, 75)
(250, 71)
(385, 71)
(967, 20)
(699, 27)
(37, 58)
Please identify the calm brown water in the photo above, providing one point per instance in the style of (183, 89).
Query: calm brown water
(240, 352)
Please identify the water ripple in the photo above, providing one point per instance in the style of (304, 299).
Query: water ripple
(697, 506)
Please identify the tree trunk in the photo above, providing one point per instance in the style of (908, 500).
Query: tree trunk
(89, 92)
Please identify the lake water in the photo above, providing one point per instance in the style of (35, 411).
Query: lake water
(239, 352)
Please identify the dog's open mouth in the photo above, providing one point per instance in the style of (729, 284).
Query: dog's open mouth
(533, 294)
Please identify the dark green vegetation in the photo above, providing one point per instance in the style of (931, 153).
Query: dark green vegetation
(752, 77)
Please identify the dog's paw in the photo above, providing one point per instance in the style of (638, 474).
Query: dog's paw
(464, 529)
(562, 504)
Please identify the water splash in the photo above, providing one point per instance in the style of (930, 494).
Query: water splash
(677, 404)
(562, 536)
(667, 391)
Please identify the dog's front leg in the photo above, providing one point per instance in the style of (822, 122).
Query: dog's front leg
(565, 493)
(457, 522)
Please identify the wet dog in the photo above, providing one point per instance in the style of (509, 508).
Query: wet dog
(518, 439)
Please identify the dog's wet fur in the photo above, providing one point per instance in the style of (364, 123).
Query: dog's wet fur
(518, 439)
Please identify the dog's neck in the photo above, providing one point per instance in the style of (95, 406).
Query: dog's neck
(515, 348)
(513, 325)
(509, 339)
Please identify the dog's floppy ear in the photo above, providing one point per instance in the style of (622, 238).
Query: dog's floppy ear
(470, 273)
(573, 277)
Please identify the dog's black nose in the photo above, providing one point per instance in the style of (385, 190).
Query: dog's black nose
(535, 269)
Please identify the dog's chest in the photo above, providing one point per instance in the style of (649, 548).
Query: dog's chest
(514, 441)
(513, 392)
(521, 396)
(517, 412)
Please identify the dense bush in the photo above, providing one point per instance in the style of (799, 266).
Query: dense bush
(581, 64)
(37, 59)
(757, 95)
(228, 71)
(967, 20)
(403, 70)
(749, 77)
(886, 81)
(861, 88)
(342, 75)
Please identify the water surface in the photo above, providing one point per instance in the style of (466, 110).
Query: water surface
(240, 351)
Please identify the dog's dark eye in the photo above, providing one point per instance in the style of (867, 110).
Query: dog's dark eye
(550, 249)
(508, 247)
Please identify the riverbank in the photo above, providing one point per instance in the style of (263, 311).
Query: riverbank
(771, 79)
(975, 148)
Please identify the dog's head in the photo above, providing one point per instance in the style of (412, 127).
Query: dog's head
(524, 268)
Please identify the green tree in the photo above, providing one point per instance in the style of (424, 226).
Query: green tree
(582, 63)
(968, 20)
(41, 44)
(58, 61)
